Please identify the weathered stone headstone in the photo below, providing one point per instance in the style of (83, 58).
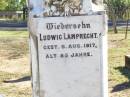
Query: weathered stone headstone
(68, 53)
(127, 61)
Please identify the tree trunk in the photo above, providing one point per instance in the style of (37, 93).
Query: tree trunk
(126, 29)
(114, 24)
(24, 14)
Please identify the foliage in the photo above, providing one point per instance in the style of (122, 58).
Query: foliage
(3, 4)
(12, 5)
(117, 9)
(22, 4)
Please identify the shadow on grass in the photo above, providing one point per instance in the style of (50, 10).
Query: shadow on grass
(123, 86)
(26, 78)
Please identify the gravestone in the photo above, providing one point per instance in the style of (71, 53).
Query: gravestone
(127, 61)
(68, 50)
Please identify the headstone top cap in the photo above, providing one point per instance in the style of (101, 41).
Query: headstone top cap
(51, 8)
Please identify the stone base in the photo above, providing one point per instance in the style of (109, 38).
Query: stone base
(127, 61)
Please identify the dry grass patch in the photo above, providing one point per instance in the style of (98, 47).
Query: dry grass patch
(119, 76)
(14, 64)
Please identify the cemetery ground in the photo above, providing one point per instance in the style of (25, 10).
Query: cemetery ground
(15, 68)
(14, 64)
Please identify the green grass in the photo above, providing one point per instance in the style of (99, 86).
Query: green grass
(13, 34)
(119, 76)
(120, 30)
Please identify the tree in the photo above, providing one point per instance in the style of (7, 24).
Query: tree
(3, 4)
(116, 9)
(22, 4)
(12, 5)
(23, 7)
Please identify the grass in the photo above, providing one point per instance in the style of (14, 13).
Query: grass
(120, 30)
(119, 76)
(13, 34)
(14, 64)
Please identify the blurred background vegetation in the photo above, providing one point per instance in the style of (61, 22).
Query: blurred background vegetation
(13, 10)
(12, 5)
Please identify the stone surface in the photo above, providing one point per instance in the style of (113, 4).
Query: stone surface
(127, 61)
(55, 71)
(70, 56)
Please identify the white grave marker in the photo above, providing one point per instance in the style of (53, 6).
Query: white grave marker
(69, 55)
